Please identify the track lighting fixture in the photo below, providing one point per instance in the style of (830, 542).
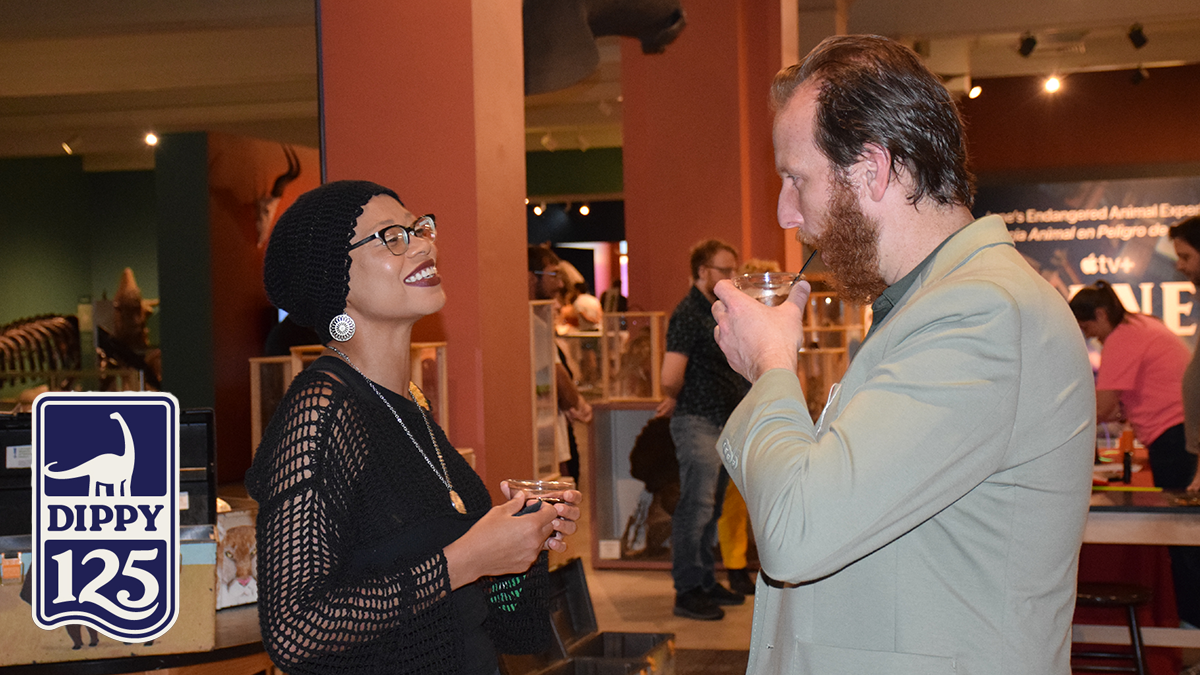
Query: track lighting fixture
(1028, 44)
(68, 145)
(1137, 37)
(1140, 75)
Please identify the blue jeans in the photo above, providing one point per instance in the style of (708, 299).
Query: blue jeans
(1173, 467)
(702, 480)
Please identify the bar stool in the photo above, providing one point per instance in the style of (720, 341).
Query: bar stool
(1128, 596)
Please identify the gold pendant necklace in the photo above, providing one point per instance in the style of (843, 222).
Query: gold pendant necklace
(455, 500)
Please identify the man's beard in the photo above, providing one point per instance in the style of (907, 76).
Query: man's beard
(849, 246)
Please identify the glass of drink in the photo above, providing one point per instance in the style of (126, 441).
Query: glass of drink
(549, 491)
(769, 288)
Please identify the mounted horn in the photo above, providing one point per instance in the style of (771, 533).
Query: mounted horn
(269, 203)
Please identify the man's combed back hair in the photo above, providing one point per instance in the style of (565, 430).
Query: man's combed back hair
(874, 90)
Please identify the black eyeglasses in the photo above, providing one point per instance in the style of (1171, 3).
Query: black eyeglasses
(397, 237)
(725, 271)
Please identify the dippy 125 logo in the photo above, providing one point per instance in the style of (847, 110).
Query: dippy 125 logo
(105, 512)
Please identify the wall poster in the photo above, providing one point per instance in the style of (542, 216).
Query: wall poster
(1076, 233)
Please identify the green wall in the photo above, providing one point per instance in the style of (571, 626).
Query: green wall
(68, 235)
(184, 264)
(574, 172)
(123, 225)
(45, 254)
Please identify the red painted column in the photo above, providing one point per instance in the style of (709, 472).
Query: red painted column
(698, 158)
(427, 98)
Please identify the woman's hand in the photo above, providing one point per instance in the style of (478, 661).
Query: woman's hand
(567, 513)
(501, 542)
(582, 412)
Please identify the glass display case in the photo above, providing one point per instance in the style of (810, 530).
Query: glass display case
(271, 375)
(269, 379)
(583, 359)
(833, 329)
(631, 349)
(543, 353)
(428, 365)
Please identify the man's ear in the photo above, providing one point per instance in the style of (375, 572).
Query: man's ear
(874, 167)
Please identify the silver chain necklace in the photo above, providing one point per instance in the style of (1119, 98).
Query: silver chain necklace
(444, 476)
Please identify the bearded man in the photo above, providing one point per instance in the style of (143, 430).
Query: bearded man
(930, 521)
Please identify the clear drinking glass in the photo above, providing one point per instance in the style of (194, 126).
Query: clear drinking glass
(769, 288)
(549, 491)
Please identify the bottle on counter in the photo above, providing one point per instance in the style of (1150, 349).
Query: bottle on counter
(1125, 445)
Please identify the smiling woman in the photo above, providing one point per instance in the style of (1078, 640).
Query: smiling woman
(379, 548)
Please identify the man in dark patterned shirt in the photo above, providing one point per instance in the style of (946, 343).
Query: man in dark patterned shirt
(702, 390)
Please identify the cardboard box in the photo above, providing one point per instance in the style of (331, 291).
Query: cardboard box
(194, 630)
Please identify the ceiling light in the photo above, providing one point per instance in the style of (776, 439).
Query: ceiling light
(1140, 75)
(1052, 84)
(975, 92)
(151, 139)
(68, 144)
(584, 210)
(527, 201)
(1028, 44)
(583, 143)
(537, 210)
(1137, 37)
(549, 143)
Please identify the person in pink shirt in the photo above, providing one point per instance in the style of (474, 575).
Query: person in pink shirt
(1140, 381)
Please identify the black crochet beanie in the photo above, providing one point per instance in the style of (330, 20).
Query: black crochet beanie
(306, 270)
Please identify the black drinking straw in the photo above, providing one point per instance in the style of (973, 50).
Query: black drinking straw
(802, 268)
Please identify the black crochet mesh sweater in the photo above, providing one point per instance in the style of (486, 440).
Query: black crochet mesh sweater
(336, 480)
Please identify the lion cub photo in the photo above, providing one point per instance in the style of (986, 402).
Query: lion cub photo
(237, 559)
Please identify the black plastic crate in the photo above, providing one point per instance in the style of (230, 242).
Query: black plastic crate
(588, 666)
(579, 649)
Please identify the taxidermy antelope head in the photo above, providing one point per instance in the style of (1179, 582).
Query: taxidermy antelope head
(267, 204)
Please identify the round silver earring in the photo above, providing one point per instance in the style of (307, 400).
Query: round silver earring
(341, 328)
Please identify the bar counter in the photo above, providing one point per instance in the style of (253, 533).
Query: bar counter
(1143, 518)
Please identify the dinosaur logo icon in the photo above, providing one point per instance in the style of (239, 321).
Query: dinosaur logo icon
(105, 513)
(113, 471)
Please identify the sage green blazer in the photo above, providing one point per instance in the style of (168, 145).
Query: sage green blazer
(931, 521)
